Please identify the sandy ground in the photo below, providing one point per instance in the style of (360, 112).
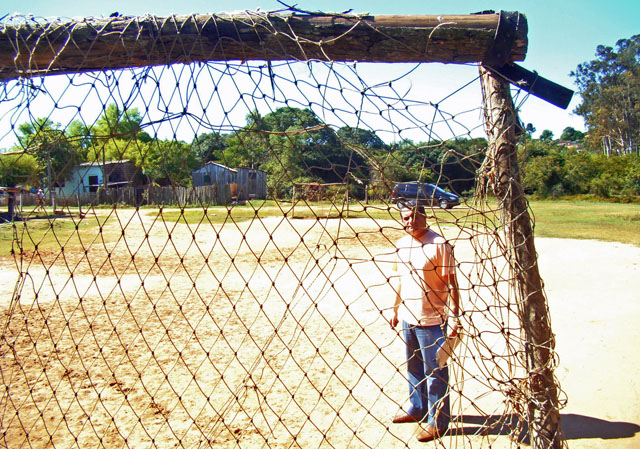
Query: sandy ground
(594, 297)
(208, 339)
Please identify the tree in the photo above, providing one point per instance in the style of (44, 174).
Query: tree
(117, 135)
(170, 162)
(362, 137)
(545, 175)
(209, 147)
(117, 149)
(122, 124)
(610, 90)
(632, 178)
(529, 129)
(51, 147)
(314, 146)
(572, 135)
(546, 135)
(248, 146)
(285, 165)
(18, 169)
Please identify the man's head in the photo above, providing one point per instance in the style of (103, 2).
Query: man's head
(414, 219)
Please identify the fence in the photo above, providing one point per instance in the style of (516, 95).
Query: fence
(135, 196)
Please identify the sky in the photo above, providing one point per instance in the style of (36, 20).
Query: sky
(562, 34)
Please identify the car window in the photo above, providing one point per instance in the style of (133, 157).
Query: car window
(439, 190)
(427, 189)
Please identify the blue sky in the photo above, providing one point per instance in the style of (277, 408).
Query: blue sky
(562, 34)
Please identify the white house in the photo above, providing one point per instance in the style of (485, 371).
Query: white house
(90, 176)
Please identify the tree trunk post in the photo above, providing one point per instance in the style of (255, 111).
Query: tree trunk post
(293, 202)
(34, 48)
(504, 178)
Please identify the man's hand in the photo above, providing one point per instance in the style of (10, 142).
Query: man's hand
(393, 321)
(457, 326)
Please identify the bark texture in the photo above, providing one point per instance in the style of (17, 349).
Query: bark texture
(504, 178)
(34, 48)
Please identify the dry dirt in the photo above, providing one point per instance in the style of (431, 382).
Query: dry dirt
(272, 334)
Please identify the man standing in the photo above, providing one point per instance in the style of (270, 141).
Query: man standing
(40, 199)
(426, 284)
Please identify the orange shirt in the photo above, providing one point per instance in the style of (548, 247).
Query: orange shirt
(424, 267)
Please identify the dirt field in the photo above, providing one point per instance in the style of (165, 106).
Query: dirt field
(272, 333)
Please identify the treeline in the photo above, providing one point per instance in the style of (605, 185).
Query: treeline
(610, 89)
(604, 161)
(294, 146)
(563, 167)
(46, 152)
(291, 145)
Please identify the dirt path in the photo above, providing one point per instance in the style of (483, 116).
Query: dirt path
(594, 296)
(126, 373)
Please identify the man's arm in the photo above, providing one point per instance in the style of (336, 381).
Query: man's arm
(454, 294)
(393, 321)
(454, 297)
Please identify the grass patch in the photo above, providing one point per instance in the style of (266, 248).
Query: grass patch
(49, 233)
(319, 210)
(606, 221)
(616, 222)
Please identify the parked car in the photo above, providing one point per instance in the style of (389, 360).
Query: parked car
(424, 194)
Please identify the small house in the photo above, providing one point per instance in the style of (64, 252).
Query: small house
(213, 173)
(90, 176)
(252, 184)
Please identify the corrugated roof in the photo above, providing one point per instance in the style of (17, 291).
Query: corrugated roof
(99, 163)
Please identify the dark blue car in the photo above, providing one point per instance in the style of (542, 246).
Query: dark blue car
(424, 194)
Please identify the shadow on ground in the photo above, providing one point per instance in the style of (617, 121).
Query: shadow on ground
(575, 427)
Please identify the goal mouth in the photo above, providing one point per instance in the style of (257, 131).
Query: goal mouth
(212, 256)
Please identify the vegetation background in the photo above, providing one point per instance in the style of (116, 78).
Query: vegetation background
(601, 163)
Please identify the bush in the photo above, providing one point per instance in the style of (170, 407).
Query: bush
(602, 186)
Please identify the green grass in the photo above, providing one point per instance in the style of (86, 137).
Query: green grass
(587, 220)
(561, 219)
(47, 233)
(263, 209)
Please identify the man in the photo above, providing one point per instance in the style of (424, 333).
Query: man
(426, 284)
(40, 199)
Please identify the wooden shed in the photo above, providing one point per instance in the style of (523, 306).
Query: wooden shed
(252, 184)
(213, 173)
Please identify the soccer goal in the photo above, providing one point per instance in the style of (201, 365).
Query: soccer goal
(212, 264)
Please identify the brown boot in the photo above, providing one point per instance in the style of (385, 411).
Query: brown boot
(430, 433)
(403, 417)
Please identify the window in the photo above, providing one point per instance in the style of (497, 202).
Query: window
(93, 183)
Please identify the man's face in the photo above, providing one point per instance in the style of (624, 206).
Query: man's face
(414, 222)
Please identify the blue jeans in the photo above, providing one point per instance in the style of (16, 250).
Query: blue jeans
(428, 384)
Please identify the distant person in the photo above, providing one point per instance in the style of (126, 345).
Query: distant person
(40, 200)
(426, 283)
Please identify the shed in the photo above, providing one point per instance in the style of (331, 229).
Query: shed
(213, 173)
(252, 184)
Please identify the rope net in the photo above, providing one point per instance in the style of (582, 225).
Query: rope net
(212, 264)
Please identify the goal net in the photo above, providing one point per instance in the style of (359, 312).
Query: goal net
(210, 262)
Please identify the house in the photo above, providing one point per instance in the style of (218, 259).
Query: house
(252, 184)
(213, 173)
(244, 183)
(90, 176)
